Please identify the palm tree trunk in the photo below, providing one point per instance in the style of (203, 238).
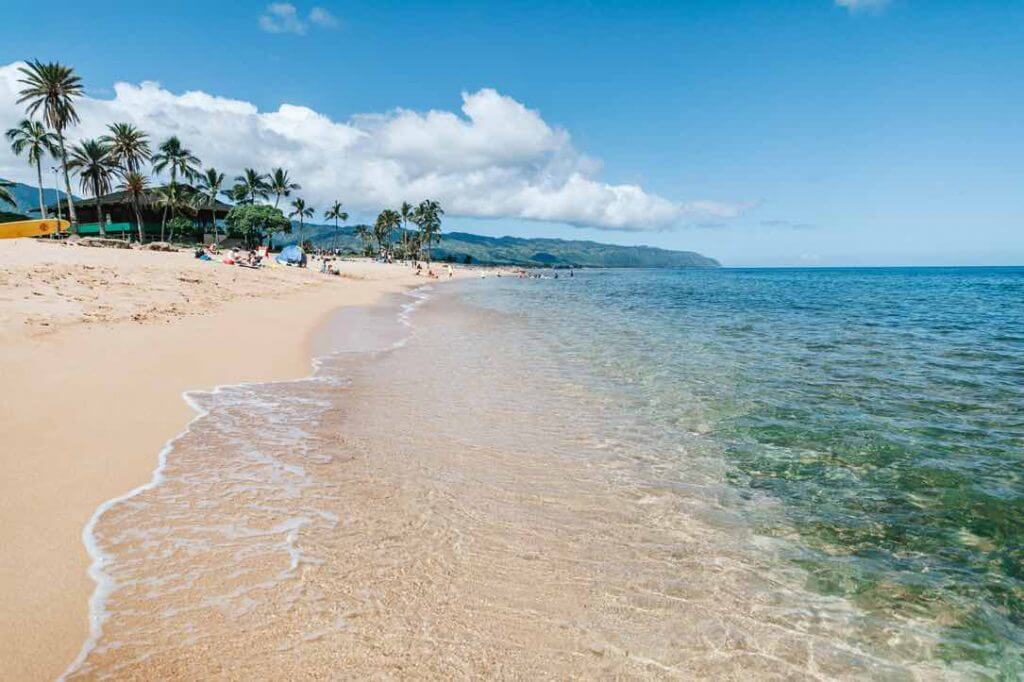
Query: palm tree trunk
(213, 223)
(99, 209)
(42, 205)
(138, 218)
(67, 183)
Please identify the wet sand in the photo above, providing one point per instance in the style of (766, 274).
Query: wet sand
(99, 345)
(450, 507)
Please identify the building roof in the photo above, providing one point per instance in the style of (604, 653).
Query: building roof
(149, 199)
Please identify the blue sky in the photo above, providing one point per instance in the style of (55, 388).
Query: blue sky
(885, 134)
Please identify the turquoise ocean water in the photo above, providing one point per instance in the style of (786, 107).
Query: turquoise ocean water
(879, 411)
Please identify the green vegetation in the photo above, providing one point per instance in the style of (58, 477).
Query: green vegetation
(336, 213)
(33, 140)
(280, 185)
(256, 222)
(250, 186)
(210, 184)
(52, 89)
(129, 146)
(120, 157)
(301, 211)
(135, 184)
(459, 246)
(95, 166)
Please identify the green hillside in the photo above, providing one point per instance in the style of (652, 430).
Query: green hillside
(26, 199)
(521, 252)
(457, 245)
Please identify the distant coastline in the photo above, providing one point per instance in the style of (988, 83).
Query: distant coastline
(524, 252)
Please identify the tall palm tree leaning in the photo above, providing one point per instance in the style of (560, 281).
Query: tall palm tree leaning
(252, 184)
(174, 156)
(53, 88)
(95, 167)
(336, 213)
(301, 211)
(428, 217)
(129, 146)
(280, 185)
(34, 140)
(135, 185)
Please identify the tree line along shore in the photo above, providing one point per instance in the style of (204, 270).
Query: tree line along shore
(167, 179)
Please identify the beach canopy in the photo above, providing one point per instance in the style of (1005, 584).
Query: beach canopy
(290, 254)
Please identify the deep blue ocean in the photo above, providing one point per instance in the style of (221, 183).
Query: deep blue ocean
(880, 410)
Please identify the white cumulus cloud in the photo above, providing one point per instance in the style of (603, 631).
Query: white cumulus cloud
(494, 158)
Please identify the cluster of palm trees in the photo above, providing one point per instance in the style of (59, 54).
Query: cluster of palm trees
(119, 158)
(426, 216)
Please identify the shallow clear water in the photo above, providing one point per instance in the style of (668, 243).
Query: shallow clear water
(803, 474)
(883, 409)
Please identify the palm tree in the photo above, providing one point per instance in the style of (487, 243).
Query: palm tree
(174, 198)
(281, 185)
(5, 194)
(251, 185)
(32, 139)
(53, 88)
(180, 160)
(407, 212)
(135, 185)
(300, 210)
(386, 223)
(238, 194)
(92, 161)
(428, 218)
(415, 243)
(171, 154)
(364, 235)
(210, 184)
(336, 213)
(129, 146)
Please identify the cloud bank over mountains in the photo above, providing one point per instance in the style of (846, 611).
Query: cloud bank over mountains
(495, 158)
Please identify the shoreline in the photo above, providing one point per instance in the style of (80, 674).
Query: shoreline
(89, 405)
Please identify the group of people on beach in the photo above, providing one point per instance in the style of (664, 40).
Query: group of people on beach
(252, 258)
(430, 270)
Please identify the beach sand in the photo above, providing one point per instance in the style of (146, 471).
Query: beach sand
(98, 346)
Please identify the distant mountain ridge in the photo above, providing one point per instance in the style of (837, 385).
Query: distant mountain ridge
(516, 251)
(26, 199)
(520, 251)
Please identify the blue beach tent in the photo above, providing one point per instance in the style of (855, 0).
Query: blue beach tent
(291, 255)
